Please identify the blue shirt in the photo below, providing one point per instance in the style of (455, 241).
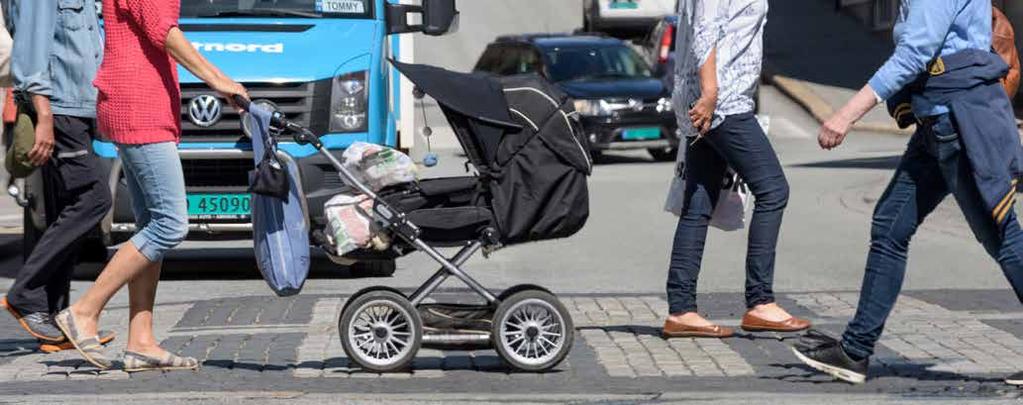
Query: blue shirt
(925, 30)
(57, 51)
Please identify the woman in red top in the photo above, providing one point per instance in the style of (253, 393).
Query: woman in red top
(139, 110)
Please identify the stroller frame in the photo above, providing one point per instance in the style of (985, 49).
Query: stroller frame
(526, 316)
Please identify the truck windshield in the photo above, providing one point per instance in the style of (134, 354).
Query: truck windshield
(277, 8)
(596, 64)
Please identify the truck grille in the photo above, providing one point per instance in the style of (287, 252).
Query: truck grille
(296, 100)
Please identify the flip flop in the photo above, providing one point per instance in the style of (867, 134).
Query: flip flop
(89, 347)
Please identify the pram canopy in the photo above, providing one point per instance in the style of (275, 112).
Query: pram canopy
(520, 134)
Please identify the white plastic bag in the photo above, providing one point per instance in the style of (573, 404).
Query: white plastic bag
(350, 224)
(379, 166)
(733, 202)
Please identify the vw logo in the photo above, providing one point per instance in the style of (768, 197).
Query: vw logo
(205, 110)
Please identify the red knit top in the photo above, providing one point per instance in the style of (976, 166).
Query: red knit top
(139, 97)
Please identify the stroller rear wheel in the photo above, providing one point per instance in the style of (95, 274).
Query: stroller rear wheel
(380, 330)
(532, 330)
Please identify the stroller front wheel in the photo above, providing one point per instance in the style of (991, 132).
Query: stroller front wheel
(380, 331)
(532, 330)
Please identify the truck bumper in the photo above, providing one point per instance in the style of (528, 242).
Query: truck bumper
(318, 183)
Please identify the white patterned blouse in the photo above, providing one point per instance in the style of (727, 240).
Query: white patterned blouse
(736, 29)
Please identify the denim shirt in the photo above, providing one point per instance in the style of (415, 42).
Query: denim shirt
(925, 30)
(57, 51)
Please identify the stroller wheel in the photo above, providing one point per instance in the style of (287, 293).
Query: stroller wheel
(532, 330)
(380, 330)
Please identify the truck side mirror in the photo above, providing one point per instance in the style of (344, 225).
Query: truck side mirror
(438, 17)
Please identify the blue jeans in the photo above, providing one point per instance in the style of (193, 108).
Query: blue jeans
(933, 167)
(157, 186)
(738, 142)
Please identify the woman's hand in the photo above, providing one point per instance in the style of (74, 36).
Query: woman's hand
(702, 113)
(228, 89)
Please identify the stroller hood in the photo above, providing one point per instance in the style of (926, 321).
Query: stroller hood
(475, 96)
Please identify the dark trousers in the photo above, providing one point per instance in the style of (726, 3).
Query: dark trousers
(76, 199)
(739, 142)
(933, 167)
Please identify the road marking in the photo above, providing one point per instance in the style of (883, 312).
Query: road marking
(924, 333)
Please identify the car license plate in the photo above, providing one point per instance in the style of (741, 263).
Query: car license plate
(624, 5)
(219, 206)
(641, 134)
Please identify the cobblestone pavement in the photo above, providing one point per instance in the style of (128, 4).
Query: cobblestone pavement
(938, 343)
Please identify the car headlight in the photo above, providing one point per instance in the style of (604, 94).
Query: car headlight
(349, 101)
(593, 108)
(664, 105)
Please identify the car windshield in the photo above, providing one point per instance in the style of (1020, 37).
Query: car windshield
(596, 64)
(277, 8)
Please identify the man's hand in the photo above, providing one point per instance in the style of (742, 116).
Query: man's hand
(702, 113)
(43, 148)
(833, 131)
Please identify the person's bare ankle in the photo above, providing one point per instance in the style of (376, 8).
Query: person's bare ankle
(87, 323)
(151, 349)
(690, 319)
(771, 312)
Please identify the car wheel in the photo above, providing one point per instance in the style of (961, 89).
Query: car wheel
(663, 154)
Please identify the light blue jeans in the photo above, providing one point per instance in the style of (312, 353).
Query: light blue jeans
(157, 186)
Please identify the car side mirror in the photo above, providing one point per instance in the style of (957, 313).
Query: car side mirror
(438, 17)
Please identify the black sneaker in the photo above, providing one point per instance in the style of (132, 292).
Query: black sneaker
(1015, 379)
(825, 354)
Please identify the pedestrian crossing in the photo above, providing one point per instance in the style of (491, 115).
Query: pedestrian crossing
(620, 334)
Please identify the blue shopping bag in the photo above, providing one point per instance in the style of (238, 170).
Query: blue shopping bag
(279, 229)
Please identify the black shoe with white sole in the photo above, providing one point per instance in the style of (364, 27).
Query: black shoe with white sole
(1015, 379)
(825, 354)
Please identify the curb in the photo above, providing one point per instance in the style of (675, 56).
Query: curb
(802, 93)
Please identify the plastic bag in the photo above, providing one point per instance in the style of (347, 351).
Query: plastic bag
(350, 224)
(379, 166)
(733, 202)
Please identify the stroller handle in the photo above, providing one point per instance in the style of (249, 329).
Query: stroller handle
(241, 101)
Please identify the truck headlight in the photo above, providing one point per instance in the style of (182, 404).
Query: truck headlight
(349, 100)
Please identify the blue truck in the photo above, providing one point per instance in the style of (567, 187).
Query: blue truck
(323, 63)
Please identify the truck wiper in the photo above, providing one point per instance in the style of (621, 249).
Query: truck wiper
(262, 12)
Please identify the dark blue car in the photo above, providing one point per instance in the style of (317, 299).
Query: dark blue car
(621, 103)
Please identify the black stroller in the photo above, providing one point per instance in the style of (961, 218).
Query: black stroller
(532, 164)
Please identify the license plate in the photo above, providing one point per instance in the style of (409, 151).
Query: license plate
(641, 134)
(624, 5)
(219, 206)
